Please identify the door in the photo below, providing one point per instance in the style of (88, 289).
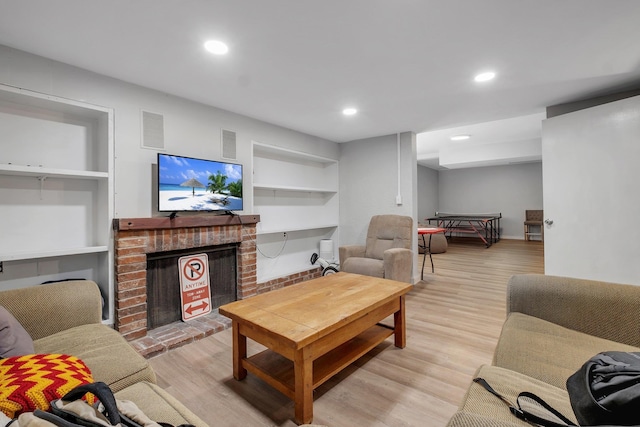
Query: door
(591, 192)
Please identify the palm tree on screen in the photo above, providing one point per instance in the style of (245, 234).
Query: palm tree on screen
(217, 183)
(235, 188)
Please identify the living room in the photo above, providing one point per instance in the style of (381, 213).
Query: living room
(194, 130)
(377, 173)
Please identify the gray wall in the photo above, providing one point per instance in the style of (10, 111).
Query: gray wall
(368, 171)
(508, 189)
(427, 187)
(369, 184)
(191, 129)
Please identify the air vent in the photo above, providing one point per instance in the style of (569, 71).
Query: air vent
(152, 130)
(228, 144)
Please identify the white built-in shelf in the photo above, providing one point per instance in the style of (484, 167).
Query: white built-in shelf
(259, 186)
(19, 256)
(37, 171)
(62, 228)
(27, 100)
(265, 150)
(294, 229)
(294, 193)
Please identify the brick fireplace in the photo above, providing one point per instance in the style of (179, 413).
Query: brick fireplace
(137, 237)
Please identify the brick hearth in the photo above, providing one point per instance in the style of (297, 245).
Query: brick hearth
(177, 334)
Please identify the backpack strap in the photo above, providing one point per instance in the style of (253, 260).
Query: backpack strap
(54, 419)
(525, 415)
(100, 390)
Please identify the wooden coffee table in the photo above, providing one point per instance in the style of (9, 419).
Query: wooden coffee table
(313, 330)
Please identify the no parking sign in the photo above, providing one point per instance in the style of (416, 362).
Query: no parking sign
(195, 290)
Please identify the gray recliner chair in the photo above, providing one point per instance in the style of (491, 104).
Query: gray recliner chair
(387, 252)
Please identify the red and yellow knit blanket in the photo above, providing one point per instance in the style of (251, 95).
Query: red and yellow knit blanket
(30, 382)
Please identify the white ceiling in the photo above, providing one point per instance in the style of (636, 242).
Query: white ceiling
(407, 65)
(511, 130)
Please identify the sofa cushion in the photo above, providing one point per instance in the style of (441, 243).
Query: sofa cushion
(509, 384)
(546, 351)
(109, 356)
(159, 405)
(364, 266)
(46, 309)
(14, 339)
(466, 419)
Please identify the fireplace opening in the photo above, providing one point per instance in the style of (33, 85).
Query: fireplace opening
(163, 281)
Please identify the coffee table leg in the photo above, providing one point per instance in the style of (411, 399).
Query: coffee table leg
(399, 326)
(303, 367)
(239, 352)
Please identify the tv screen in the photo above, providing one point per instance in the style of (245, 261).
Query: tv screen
(186, 184)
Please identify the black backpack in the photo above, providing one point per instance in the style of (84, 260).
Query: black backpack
(606, 389)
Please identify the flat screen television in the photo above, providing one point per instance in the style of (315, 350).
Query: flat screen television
(186, 184)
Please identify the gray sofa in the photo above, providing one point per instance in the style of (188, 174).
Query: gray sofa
(65, 318)
(554, 325)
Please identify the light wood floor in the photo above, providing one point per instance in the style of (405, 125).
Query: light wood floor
(453, 322)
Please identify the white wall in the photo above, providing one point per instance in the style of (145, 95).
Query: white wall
(427, 187)
(591, 180)
(507, 189)
(191, 129)
(369, 184)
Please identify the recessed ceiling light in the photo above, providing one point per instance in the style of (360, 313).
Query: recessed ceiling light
(485, 77)
(216, 47)
(460, 137)
(349, 111)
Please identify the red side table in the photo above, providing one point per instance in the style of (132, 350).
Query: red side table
(423, 232)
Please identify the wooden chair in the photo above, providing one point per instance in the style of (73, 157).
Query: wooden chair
(533, 218)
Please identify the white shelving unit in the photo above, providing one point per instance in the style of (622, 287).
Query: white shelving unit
(296, 195)
(56, 191)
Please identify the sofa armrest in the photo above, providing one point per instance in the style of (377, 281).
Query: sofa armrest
(398, 263)
(46, 309)
(602, 309)
(349, 251)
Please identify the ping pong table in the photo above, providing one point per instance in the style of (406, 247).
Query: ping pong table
(484, 226)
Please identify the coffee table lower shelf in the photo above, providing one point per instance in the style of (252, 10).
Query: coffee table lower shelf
(277, 371)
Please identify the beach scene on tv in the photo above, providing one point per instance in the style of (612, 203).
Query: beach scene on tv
(186, 184)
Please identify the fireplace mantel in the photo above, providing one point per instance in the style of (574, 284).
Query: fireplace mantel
(157, 223)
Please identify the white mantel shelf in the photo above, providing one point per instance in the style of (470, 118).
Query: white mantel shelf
(155, 223)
